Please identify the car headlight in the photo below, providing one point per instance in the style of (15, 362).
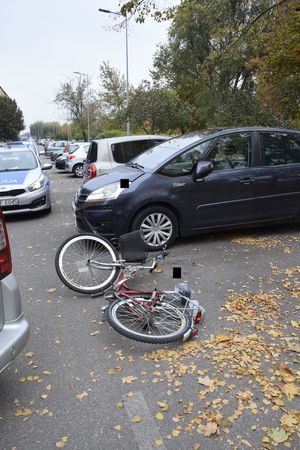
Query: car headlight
(110, 191)
(37, 185)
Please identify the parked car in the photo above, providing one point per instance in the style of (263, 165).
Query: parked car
(197, 183)
(56, 147)
(105, 154)
(75, 159)
(23, 185)
(14, 328)
(60, 161)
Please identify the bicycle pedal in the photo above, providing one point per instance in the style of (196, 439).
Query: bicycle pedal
(103, 308)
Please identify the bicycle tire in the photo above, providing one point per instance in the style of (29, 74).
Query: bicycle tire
(114, 318)
(72, 263)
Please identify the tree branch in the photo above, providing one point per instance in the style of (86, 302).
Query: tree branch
(245, 30)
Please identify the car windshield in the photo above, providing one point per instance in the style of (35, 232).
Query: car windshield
(153, 158)
(16, 160)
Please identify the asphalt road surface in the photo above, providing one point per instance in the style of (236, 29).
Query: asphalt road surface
(80, 385)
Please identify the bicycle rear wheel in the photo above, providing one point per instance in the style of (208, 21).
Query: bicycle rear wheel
(167, 323)
(73, 263)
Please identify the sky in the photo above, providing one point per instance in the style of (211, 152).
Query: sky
(42, 42)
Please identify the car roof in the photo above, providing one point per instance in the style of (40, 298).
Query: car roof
(218, 131)
(132, 138)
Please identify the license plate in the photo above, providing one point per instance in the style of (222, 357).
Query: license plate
(9, 202)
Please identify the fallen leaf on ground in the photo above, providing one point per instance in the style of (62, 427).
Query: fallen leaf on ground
(159, 416)
(136, 419)
(82, 395)
(51, 290)
(287, 375)
(278, 435)
(128, 379)
(290, 390)
(62, 442)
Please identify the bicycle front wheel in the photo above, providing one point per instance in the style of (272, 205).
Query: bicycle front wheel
(166, 323)
(74, 263)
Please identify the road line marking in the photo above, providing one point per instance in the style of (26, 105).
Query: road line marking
(146, 431)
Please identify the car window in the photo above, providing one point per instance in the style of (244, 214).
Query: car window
(17, 161)
(280, 148)
(184, 163)
(232, 151)
(92, 153)
(125, 151)
(73, 148)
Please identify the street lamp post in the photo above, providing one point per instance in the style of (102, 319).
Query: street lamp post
(88, 101)
(127, 70)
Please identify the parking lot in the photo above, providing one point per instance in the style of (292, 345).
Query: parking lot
(80, 385)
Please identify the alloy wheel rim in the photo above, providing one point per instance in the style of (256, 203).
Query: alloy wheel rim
(79, 171)
(157, 229)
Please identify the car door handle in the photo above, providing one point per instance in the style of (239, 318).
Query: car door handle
(247, 180)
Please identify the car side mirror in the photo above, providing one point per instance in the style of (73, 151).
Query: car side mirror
(47, 166)
(203, 169)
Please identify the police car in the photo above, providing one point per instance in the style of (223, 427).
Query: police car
(23, 185)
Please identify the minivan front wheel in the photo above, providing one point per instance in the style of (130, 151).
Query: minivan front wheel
(78, 170)
(158, 225)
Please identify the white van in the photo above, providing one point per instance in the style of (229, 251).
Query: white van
(105, 154)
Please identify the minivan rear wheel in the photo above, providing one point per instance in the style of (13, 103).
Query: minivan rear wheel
(158, 225)
(78, 170)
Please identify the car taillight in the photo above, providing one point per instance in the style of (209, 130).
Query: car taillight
(5, 257)
(92, 171)
(71, 156)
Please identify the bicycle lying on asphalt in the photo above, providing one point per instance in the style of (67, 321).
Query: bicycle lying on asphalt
(90, 264)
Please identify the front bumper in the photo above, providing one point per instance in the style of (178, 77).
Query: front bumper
(29, 202)
(99, 219)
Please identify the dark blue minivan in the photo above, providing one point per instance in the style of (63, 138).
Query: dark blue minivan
(200, 182)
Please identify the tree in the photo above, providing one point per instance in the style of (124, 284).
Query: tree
(75, 99)
(50, 130)
(202, 60)
(11, 119)
(141, 9)
(113, 94)
(158, 110)
(279, 66)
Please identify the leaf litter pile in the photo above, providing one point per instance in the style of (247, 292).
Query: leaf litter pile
(245, 382)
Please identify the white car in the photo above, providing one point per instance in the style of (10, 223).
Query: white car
(75, 159)
(105, 154)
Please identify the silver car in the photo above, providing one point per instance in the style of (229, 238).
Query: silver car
(75, 159)
(23, 185)
(14, 328)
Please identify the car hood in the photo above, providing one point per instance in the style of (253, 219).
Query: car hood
(19, 178)
(117, 174)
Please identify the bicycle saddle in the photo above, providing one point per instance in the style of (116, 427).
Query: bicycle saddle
(133, 247)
